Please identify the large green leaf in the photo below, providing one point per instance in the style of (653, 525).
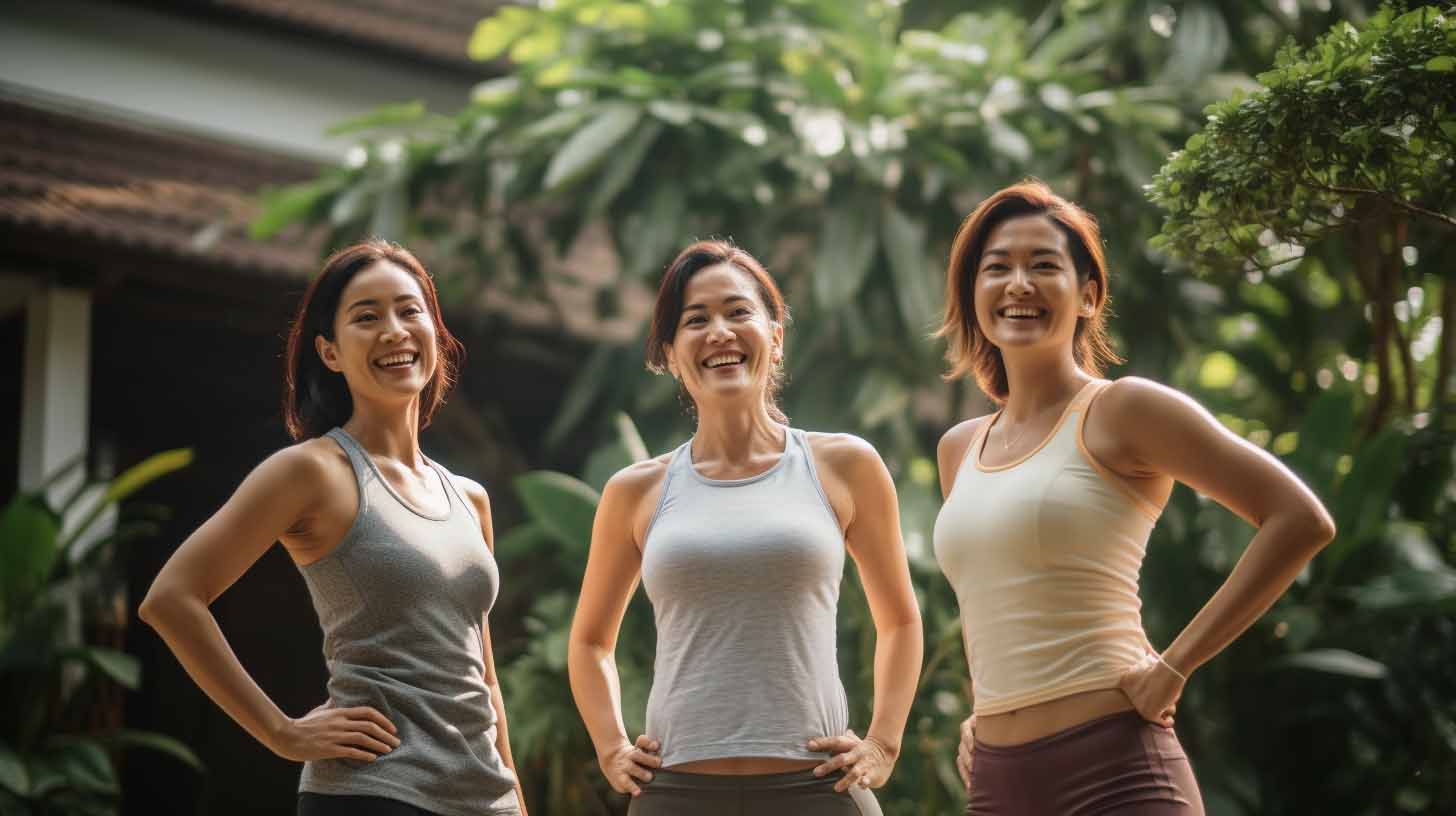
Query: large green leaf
(13, 775)
(904, 241)
(29, 544)
(1336, 661)
(1363, 503)
(119, 666)
(846, 251)
(84, 764)
(151, 741)
(128, 482)
(591, 145)
(1324, 436)
(563, 505)
(393, 115)
(623, 169)
(287, 205)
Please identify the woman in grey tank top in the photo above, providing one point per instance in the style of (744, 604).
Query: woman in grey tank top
(739, 538)
(396, 553)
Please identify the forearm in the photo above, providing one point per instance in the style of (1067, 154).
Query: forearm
(1274, 558)
(503, 740)
(191, 632)
(898, 654)
(598, 694)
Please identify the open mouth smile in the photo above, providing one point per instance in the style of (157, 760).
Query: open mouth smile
(403, 359)
(724, 360)
(1022, 313)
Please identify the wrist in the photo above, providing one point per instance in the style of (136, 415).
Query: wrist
(275, 733)
(1177, 671)
(891, 749)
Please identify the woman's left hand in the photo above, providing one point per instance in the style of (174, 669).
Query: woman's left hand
(866, 762)
(1154, 688)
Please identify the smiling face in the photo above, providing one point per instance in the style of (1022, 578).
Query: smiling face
(1026, 291)
(384, 336)
(727, 344)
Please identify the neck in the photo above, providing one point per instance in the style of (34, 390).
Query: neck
(1038, 382)
(388, 431)
(736, 432)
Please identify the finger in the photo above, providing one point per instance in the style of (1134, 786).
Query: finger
(647, 743)
(362, 740)
(833, 745)
(372, 714)
(345, 752)
(628, 787)
(649, 760)
(640, 773)
(836, 762)
(964, 771)
(374, 730)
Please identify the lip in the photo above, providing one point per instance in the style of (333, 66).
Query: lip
(1042, 312)
(378, 362)
(729, 366)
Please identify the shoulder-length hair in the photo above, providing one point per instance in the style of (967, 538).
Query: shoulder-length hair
(969, 351)
(668, 309)
(316, 399)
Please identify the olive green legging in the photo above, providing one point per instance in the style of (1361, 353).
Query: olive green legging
(798, 793)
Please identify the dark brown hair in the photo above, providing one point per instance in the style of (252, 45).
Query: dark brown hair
(969, 351)
(667, 310)
(316, 399)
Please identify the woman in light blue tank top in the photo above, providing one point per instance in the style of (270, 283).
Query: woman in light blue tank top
(395, 550)
(739, 539)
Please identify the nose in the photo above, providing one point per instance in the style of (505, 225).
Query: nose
(391, 330)
(719, 331)
(1020, 282)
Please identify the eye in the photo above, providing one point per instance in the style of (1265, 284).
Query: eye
(692, 319)
(364, 317)
(742, 311)
(995, 267)
(1053, 265)
(412, 311)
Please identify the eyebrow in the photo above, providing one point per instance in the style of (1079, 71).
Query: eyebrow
(1034, 252)
(730, 299)
(372, 302)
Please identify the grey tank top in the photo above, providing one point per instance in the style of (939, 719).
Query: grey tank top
(744, 576)
(402, 600)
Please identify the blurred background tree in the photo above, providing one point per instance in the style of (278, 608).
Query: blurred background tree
(843, 143)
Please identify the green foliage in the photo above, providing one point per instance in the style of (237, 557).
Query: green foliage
(842, 143)
(47, 764)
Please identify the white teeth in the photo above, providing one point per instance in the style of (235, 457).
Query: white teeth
(723, 359)
(396, 360)
(1021, 311)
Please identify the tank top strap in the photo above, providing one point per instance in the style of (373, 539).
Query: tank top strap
(452, 491)
(358, 458)
(800, 447)
(1085, 396)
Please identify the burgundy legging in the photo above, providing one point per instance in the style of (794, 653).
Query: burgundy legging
(1119, 764)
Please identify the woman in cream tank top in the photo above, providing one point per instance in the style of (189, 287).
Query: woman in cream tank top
(1049, 503)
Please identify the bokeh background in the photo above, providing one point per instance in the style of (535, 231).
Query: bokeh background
(1274, 179)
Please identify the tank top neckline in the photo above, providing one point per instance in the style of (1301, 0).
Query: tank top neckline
(985, 435)
(445, 487)
(778, 464)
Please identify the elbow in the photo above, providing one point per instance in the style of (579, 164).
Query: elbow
(157, 607)
(1317, 527)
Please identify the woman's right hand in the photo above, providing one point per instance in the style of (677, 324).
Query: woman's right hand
(966, 753)
(326, 732)
(628, 764)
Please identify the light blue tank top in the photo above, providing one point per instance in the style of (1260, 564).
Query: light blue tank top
(402, 599)
(744, 576)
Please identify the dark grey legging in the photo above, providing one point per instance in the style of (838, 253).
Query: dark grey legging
(328, 804)
(1119, 764)
(798, 793)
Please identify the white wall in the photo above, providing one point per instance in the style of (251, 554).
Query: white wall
(274, 91)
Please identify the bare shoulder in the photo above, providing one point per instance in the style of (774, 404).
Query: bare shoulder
(474, 492)
(957, 438)
(845, 453)
(308, 465)
(1130, 402)
(633, 482)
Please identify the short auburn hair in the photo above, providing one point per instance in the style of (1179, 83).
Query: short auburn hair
(668, 309)
(315, 398)
(969, 350)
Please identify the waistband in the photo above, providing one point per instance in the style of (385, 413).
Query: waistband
(787, 780)
(1106, 721)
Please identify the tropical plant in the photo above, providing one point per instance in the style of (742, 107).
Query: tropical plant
(53, 760)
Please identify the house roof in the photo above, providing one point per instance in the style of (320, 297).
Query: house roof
(67, 177)
(437, 31)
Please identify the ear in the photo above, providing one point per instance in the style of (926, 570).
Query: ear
(1091, 292)
(671, 360)
(777, 355)
(328, 353)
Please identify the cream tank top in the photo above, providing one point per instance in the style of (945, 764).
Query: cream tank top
(1044, 555)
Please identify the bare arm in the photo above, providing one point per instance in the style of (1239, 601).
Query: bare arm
(612, 570)
(950, 454)
(271, 501)
(481, 500)
(1177, 438)
(872, 535)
